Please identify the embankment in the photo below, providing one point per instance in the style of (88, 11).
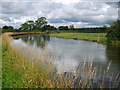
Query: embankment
(18, 72)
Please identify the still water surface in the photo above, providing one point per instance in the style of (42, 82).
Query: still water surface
(68, 54)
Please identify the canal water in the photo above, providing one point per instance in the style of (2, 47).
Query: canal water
(67, 55)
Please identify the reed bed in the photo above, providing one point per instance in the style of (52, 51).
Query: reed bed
(87, 76)
(18, 72)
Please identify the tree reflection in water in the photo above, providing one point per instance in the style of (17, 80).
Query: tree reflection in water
(39, 40)
(113, 53)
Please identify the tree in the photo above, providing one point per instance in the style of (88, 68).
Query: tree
(25, 26)
(48, 27)
(30, 24)
(63, 28)
(113, 32)
(10, 27)
(71, 27)
(5, 27)
(40, 22)
(66, 28)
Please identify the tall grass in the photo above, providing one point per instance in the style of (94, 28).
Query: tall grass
(19, 72)
(87, 76)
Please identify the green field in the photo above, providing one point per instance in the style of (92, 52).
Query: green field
(95, 37)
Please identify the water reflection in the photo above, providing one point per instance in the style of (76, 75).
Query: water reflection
(69, 54)
(113, 53)
(39, 40)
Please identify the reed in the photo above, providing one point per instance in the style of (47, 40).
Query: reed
(19, 72)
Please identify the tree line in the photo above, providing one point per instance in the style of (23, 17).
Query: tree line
(41, 24)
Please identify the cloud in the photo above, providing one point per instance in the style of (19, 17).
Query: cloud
(66, 1)
(60, 12)
(61, 1)
(15, 22)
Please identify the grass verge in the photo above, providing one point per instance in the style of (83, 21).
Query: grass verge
(20, 73)
(94, 37)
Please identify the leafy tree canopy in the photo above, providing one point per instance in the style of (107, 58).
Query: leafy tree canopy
(113, 32)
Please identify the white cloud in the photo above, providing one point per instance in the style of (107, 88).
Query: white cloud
(22, 19)
(2, 22)
(62, 1)
(16, 22)
(60, 12)
(76, 24)
(66, 1)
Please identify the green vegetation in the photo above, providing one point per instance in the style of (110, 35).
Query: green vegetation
(31, 25)
(113, 32)
(20, 73)
(7, 29)
(95, 37)
(41, 25)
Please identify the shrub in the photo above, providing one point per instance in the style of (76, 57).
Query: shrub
(113, 32)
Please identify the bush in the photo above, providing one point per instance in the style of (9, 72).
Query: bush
(113, 32)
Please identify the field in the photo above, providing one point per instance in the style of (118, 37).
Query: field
(94, 37)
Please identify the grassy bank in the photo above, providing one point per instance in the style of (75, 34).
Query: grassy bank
(94, 37)
(20, 73)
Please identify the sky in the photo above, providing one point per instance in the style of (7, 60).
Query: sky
(87, 13)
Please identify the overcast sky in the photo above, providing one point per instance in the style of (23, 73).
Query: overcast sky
(59, 12)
